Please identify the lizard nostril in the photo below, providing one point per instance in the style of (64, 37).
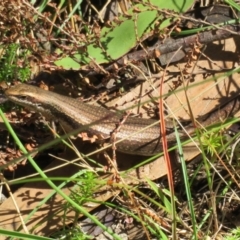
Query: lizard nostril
(3, 98)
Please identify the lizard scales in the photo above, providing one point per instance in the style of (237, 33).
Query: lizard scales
(139, 136)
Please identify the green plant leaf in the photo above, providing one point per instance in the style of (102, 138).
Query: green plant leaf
(116, 41)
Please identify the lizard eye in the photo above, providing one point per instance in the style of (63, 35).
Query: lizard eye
(22, 97)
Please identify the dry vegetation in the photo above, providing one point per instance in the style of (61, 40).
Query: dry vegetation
(81, 49)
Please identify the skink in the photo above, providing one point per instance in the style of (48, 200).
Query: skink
(74, 114)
